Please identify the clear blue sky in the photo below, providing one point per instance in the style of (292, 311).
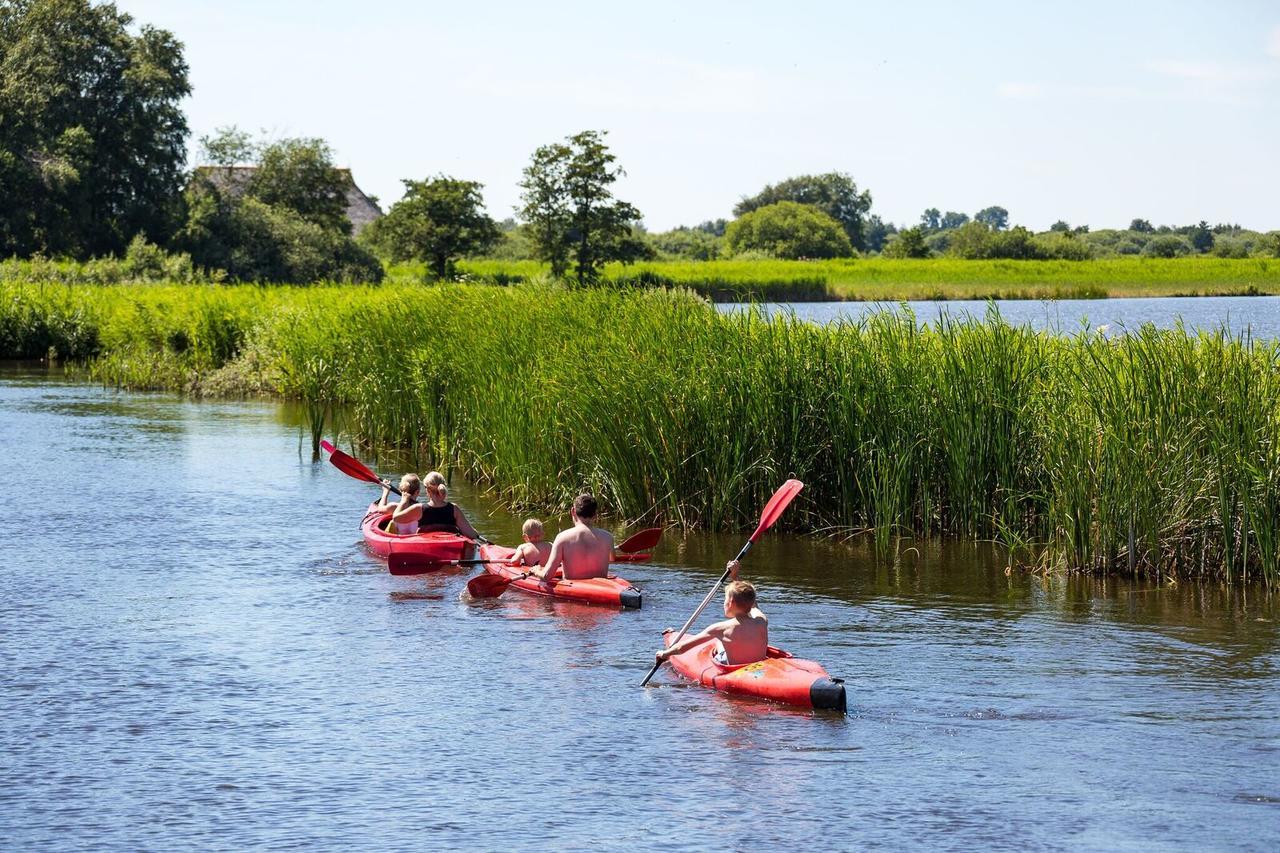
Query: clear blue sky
(1089, 111)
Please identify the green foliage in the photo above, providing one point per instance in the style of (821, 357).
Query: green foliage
(438, 221)
(951, 219)
(1154, 452)
(931, 219)
(834, 193)
(1166, 246)
(788, 230)
(1200, 237)
(1142, 226)
(996, 218)
(92, 139)
(569, 205)
(909, 243)
(979, 240)
(692, 244)
(298, 174)
(1063, 246)
(1061, 226)
(878, 233)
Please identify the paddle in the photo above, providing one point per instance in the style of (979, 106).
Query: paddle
(416, 564)
(491, 586)
(642, 541)
(353, 467)
(772, 510)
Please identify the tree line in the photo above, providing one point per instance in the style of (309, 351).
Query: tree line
(93, 163)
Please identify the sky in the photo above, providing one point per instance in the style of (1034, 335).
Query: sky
(1090, 112)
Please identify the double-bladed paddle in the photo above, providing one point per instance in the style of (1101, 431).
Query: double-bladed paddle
(353, 467)
(772, 510)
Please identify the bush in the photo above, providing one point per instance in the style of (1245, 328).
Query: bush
(1063, 247)
(690, 244)
(1229, 247)
(788, 230)
(908, 243)
(979, 241)
(1166, 246)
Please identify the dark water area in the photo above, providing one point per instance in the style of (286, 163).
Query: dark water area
(198, 652)
(1257, 315)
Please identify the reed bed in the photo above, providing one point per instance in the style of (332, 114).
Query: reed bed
(885, 279)
(1155, 453)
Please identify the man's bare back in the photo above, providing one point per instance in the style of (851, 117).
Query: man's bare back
(582, 551)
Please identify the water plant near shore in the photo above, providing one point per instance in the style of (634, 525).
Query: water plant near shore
(1156, 452)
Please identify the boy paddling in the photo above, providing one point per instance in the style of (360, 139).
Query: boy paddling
(743, 637)
(582, 551)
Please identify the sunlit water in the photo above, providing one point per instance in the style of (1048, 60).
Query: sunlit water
(198, 652)
(1257, 315)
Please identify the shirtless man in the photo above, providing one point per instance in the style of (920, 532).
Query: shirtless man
(743, 637)
(582, 551)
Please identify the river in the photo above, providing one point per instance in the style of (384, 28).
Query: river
(198, 652)
(1258, 315)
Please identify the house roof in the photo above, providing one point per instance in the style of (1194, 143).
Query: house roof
(361, 210)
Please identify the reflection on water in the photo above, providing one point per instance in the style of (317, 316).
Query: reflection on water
(202, 654)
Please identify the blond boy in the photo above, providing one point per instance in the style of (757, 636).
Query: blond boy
(743, 637)
(532, 551)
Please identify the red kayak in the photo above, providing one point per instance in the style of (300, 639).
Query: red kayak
(431, 546)
(779, 677)
(612, 590)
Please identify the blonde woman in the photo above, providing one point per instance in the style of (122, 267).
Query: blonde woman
(439, 514)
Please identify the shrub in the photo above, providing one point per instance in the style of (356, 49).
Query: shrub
(789, 230)
(1166, 246)
(908, 243)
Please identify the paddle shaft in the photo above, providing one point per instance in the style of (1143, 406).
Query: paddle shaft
(701, 607)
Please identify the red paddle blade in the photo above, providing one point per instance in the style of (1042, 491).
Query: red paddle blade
(412, 564)
(773, 509)
(642, 541)
(351, 466)
(487, 586)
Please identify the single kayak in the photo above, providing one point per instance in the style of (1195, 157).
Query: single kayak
(431, 546)
(612, 590)
(779, 677)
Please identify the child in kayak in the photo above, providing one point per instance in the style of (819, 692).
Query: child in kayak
(582, 551)
(743, 637)
(533, 551)
(439, 514)
(405, 514)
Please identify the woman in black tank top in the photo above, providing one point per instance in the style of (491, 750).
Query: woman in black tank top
(438, 513)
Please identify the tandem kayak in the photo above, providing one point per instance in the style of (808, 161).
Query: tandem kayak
(431, 546)
(612, 590)
(779, 677)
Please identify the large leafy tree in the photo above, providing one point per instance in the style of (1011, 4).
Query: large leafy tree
(299, 174)
(994, 217)
(834, 193)
(438, 221)
(569, 205)
(92, 139)
(789, 230)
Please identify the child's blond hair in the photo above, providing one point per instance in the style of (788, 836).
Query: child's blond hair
(532, 527)
(412, 484)
(742, 594)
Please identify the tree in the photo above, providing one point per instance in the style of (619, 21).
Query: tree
(228, 146)
(439, 220)
(1166, 246)
(834, 193)
(931, 219)
(571, 209)
(977, 240)
(92, 137)
(299, 174)
(908, 244)
(951, 220)
(788, 229)
(878, 233)
(694, 244)
(995, 217)
(1060, 226)
(1142, 226)
(713, 226)
(1201, 237)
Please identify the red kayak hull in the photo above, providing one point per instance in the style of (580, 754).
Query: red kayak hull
(430, 546)
(612, 591)
(779, 677)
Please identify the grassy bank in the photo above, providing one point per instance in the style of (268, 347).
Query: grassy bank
(882, 279)
(1153, 453)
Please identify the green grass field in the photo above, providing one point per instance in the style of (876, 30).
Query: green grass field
(879, 279)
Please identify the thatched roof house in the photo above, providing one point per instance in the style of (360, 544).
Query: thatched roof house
(361, 210)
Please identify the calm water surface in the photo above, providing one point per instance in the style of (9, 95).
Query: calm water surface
(1259, 315)
(197, 651)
